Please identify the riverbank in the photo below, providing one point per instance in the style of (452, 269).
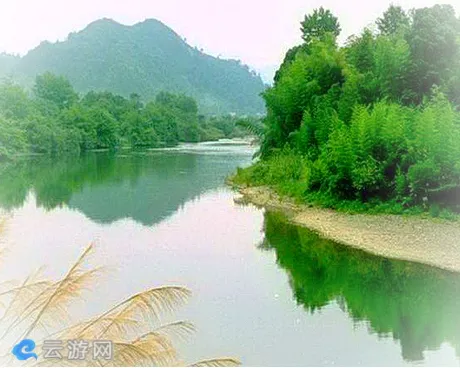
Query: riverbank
(430, 241)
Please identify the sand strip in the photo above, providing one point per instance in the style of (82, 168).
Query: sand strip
(430, 241)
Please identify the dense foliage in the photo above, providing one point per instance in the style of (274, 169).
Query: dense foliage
(56, 120)
(376, 120)
(145, 58)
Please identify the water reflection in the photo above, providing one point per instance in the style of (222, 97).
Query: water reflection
(146, 187)
(415, 304)
(242, 302)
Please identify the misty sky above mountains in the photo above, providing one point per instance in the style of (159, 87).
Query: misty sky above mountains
(258, 32)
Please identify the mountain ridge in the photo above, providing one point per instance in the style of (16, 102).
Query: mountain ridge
(145, 58)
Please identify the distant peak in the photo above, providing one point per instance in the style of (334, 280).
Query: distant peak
(154, 26)
(104, 22)
(150, 21)
(147, 24)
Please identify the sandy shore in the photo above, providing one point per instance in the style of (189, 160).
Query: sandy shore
(430, 241)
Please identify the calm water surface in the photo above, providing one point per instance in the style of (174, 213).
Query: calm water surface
(264, 291)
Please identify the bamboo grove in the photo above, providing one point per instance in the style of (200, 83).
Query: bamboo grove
(374, 123)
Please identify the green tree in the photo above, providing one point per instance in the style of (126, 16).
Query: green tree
(14, 101)
(392, 63)
(288, 59)
(434, 43)
(315, 26)
(394, 20)
(12, 139)
(318, 72)
(361, 51)
(142, 132)
(55, 89)
(77, 117)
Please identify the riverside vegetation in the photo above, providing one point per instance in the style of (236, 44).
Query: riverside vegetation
(373, 125)
(55, 120)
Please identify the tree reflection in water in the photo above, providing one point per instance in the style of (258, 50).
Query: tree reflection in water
(415, 304)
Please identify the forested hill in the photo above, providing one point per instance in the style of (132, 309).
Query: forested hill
(146, 58)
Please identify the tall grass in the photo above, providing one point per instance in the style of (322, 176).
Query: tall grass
(39, 307)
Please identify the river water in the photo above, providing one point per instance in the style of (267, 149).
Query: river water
(264, 291)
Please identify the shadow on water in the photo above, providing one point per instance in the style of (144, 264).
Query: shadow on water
(146, 187)
(415, 304)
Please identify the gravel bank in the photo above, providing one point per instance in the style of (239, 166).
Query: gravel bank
(430, 241)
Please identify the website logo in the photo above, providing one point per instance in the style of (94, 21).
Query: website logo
(24, 350)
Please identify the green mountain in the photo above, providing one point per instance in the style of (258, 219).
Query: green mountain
(7, 64)
(146, 58)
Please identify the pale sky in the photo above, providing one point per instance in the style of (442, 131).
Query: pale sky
(258, 32)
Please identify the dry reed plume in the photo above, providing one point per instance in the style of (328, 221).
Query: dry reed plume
(39, 307)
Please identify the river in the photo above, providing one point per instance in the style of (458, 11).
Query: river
(264, 291)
